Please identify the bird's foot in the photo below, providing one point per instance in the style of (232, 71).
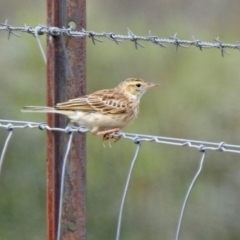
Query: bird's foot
(109, 136)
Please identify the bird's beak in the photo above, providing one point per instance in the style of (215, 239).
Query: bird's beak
(151, 85)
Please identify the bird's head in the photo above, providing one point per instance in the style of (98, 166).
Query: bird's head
(135, 87)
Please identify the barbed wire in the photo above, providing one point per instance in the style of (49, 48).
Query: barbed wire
(119, 38)
(201, 146)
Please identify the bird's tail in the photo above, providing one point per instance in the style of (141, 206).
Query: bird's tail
(39, 109)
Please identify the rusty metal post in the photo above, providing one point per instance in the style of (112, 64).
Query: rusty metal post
(66, 72)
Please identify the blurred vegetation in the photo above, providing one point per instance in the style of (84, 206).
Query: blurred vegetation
(197, 100)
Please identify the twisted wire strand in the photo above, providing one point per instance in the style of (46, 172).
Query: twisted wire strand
(203, 145)
(119, 38)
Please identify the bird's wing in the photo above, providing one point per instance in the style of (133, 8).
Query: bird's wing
(75, 104)
(105, 101)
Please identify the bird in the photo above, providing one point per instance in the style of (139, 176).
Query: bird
(104, 112)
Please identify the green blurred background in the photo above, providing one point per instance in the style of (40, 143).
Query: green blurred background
(198, 99)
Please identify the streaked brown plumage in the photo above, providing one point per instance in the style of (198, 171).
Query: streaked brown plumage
(103, 112)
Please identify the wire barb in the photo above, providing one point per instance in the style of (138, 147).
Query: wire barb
(177, 42)
(134, 39)
(9, 29)
(198, 44)
(91, 35)
(29, 30)
(221, 47)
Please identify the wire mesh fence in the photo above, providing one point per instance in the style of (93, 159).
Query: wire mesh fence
(138, 139)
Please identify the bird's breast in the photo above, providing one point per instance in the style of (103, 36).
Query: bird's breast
(100, 120)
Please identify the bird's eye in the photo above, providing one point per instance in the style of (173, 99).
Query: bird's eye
(138, 85)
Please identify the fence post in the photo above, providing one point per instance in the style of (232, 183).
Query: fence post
(66, 72)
